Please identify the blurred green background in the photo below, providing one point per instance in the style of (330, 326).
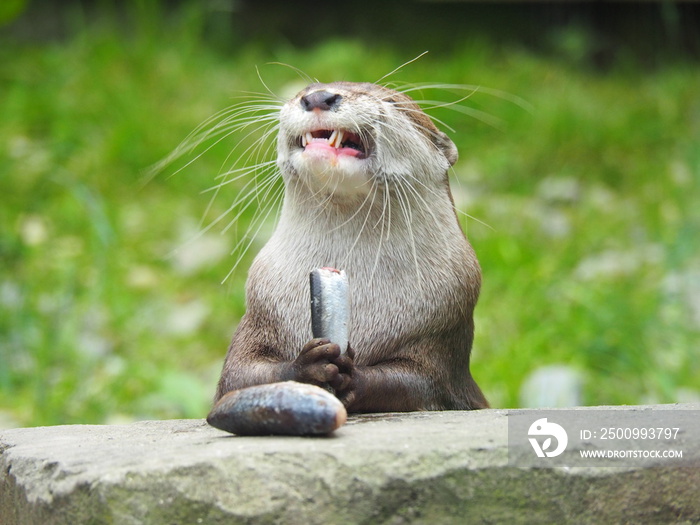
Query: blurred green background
(579, 169)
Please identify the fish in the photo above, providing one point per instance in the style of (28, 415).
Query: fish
(284, 408)
(330, 305)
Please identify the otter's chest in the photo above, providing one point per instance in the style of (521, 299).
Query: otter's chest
(390, 302)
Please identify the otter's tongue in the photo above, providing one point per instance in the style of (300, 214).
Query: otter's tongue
(323, 145)
(331, 142)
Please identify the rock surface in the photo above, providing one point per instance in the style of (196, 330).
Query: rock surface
(430, 467)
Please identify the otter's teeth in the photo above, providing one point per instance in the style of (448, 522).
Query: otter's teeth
(307, 138)
(331, 139)
(335, 139)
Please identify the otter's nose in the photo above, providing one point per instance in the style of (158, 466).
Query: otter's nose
(322, 100)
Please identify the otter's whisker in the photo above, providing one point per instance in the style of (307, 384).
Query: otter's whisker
(407, 212)
(302, 74)
(189, 145)
(254, 149)
(384, 217)
(250, 188)
(504, 95)
(257, 70)
(371, 195)
(244, 192)
(426, 207)
(258, 222)
(401, 67)
(240, 173)
(475, 219)
(265, 185)
(479, 115)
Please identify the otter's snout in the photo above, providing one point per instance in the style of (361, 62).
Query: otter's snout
(322, 100)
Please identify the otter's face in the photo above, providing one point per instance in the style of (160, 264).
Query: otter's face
(344, 137)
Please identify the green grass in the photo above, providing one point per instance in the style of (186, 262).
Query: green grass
(590, 257)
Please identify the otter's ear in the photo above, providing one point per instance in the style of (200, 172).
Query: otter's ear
(447, 147)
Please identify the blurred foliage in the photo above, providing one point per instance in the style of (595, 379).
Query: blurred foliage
(581, 188)
(10, 10)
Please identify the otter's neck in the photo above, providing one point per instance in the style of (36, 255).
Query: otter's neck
(403, 222)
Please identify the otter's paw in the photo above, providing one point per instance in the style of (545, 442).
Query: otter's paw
(316, 364)
(346, 368)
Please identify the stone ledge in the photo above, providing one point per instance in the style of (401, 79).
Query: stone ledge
(429, 467)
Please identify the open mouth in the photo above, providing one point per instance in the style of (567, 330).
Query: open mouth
(343, 142)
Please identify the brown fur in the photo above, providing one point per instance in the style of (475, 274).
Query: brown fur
(413, 276)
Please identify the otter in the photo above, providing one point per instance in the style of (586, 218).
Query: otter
(365, 174)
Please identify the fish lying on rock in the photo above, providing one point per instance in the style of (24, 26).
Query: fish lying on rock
(287, 408)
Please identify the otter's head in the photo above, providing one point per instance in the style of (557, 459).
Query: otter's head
(345, 137)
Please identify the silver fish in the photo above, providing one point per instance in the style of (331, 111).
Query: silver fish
(330, 305)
